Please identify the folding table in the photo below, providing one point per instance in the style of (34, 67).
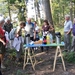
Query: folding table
(28, 55)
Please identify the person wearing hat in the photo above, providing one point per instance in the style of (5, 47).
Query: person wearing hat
(2, 42)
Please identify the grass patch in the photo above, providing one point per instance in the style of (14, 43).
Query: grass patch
(69, 57)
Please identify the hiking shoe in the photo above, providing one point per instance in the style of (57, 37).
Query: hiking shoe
(2, 66)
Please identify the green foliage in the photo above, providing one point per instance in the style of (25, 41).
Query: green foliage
(12, 54)
(20, 73)
(14, 5)
(69, 57)
(59, 9)
(21, 17)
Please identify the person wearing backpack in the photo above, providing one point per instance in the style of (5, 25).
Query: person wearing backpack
(11, 37)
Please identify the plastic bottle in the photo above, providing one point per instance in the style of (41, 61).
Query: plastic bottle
(48, 39)
(51, 38)
(44, 40)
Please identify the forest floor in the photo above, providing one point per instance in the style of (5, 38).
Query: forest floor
(44, 68)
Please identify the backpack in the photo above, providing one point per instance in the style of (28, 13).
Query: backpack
(12, 34)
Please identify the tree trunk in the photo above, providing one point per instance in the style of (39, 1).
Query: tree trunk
(35, 10)
(74, 8)
(38, 11)
(38, 16)
(71, 12)
(47, 10)
(9, 9)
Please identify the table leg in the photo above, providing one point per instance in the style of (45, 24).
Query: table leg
(58, 50)
(24, 60)
(62, 60)
(28, 57)
(34, 57)
(55, 59)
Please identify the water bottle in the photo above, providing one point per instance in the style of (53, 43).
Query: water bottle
(27, 39)
(48, 39)
(51, 38)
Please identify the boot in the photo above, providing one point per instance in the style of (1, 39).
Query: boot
(2, 66)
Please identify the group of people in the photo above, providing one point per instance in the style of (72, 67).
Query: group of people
(11, 37)
(69, 28)
(30, 29)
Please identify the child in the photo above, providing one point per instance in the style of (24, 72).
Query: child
(18, 40)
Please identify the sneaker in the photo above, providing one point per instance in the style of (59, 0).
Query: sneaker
(72, 50)
(36, 48)
(2, 66)
(65, 50)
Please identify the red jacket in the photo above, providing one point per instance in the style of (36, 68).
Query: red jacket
(2, 34)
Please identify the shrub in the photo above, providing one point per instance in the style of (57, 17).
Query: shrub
(69, 57)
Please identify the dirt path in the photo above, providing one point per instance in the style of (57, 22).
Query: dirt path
(44, 68)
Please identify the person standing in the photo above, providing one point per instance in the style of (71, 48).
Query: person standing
(8, 27)
(37, 30)
(46, 28)
(29, 29)
(73, 36)
(67, 32)
(36, 33)
(18, 40)
(2, 42)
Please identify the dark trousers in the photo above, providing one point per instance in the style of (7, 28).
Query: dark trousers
(73, 43)
(0, 68)
(0, 73)
(42, 48)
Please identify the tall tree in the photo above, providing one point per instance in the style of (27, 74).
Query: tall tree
(47, 10)
(36, 3)
(9, 9)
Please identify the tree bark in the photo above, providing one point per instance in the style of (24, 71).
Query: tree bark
(9, 9)
(47, 10)
(38, 12)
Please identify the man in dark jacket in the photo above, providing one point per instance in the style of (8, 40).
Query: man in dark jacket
(8, 25)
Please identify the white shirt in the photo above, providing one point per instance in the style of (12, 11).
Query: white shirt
(37, 28)
(67, 26)
(29, 29)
